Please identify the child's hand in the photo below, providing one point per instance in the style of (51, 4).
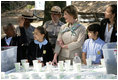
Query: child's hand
(27, 61)
(50, 62)
(41, 62)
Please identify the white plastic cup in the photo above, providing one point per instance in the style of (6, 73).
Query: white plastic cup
(40, 66)
(61, 62)
(92, 57)
(24, 61)
(35, 61)
(102, 62)
(89, 62)
(40, 59)
(17, 66)
(66, 66)
(2, 75)
(49, 66)
(68, 62)
(26, 66)
(60, 65)
(37, 67)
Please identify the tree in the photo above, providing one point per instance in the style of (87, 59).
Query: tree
(14, 5)
(48, 6)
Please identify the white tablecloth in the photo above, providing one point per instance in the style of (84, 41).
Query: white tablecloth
(93, 72)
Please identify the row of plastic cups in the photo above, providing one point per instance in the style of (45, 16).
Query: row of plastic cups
(89, 62)
(37, 66)
(61, 65)
(25, 65)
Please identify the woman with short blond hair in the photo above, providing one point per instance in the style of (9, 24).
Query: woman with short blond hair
(71, 36)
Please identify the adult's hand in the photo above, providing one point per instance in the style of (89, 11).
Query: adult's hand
(54, 61)
(62, 44)
(21, 21)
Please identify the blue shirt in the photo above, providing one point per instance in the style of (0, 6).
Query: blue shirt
(8, 40)
(41, 43)
(93, 49)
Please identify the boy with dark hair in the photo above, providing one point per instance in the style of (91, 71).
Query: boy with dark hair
(92, 47)
(12, 39)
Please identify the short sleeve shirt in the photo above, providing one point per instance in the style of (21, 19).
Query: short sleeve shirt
(53, 30)
(93, 49)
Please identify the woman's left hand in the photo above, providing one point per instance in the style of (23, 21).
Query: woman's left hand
(62, 44)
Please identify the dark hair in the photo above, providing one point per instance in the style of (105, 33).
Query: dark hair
(114, 11)
(94, 28)
(72, 10)
(43, 31)
(6, 27)
(9, 24)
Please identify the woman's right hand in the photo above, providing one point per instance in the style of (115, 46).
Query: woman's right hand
(54, 61)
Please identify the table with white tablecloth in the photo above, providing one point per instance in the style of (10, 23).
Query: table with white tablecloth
(85, 72)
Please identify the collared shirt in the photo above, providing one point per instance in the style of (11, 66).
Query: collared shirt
(108, 33)
(53, 30)
(41, 43)
(93, 49)
(8, 40)
(74, 42)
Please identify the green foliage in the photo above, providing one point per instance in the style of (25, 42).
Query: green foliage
(30, 6)
(13, 5)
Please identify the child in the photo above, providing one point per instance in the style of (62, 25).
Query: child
(92, 47)
(40, 47)
(12, 39)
